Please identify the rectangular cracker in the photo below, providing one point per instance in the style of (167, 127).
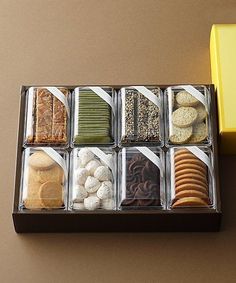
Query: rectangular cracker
(43, 116)
(59, 117)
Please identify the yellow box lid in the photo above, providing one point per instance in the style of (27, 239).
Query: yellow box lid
(223, 68)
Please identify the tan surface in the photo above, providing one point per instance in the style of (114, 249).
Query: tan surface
(108, 42)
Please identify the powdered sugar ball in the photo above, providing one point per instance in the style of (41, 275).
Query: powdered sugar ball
(80, 193)
(102, 173)
(81, 175)
(78, 206)
(92, 166)
(104, 191)
(91, 203)
(92, 184)
(85, 155)
(108, 204)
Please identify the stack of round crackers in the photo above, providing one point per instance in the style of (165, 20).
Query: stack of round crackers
(188, 120)
(45, 182)
(191, 183)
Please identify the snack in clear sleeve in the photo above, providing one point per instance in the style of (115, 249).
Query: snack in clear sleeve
(187, 118)
(140, 115)
(94, 115)
(141, 180)
(47, 120)
(44, 181)
(192, 183)
(93, 183)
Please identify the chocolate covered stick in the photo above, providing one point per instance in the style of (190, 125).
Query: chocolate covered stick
(59, 125)
(43, 116)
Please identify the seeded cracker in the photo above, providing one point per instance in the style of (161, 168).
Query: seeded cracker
(184, 98)
(184, 117)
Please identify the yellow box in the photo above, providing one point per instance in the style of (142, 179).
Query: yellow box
(223, 70)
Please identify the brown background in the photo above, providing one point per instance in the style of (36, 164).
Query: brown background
(108, 42)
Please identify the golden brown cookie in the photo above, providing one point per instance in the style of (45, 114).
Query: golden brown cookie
(184, 117)
(41, 161)
(184, 98)
(183, 166)
(181, 135)
(51, 194)
(54, 174)
(200, 133)
(32, 200)
(192, 176)
(192, 161)
(189, 171)
(184, 156)
(190, 186)
(191, 193)
(190, 201)
(183, 181)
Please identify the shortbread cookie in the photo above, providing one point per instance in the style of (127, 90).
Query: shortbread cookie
(190, 166)
(182, 151)
(184, 117)
(193, 176)
(202, 114)
(193, 180)
(199, 133)
(189, 171)
(184, 98)
(32, 200)
(184, 156)
(41, 161)
(51, 194)
(181, 135)
(190, 161)
(191, 193)
(54, 174)
(190, 186)
(190, 201)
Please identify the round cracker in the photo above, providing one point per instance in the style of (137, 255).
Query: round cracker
(189, 171)
(190, 186)
(190, 166)
(190, 201)
(192, 176)
(191, 193)
(183, 181)
(51, 194)
(190, 161)
(182, 151)
(199, 133)
(201, 111)
(181, 135)
(184, 98)
(184, 117)
(40, 161)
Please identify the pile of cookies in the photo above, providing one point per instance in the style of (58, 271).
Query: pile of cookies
(188, 120)
(94, 119)
(93, 183)
(191, 180)
(44, 183)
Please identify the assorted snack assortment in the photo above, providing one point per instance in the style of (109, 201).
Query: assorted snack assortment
(103, 148)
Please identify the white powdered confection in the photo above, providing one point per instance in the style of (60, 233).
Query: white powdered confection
(92, 203)
(79, 163)
(92, 166)
(108, 184)
(85, 155)
(78, 206)
(81, 175)
(108, 204)
(104, 191)
(80, 193)
(92, 184)
(102, 173)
